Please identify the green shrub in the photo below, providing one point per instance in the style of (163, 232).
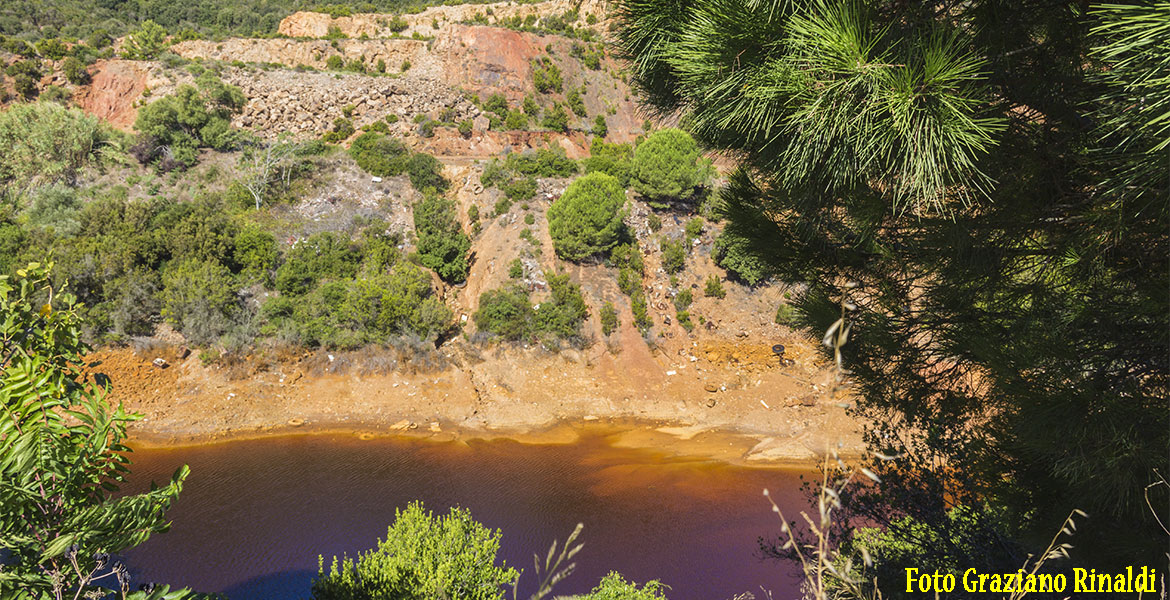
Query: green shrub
(786, 315)
(465, 128)
(531, 108)
(684, 319)
(321, 255)
(45, 142)
(714, 288)
(423, 556)
(255, 252)
(529, 219)
(519, 189)
(516, 120)
(734, 254)
(505, 312)
(674, 256)
(146, 43)
(379, 154)
(611, 159)
(694, 228)
(546, 75)
(543, 162)
(442, 244)
(556, 119)
(199, 297)
(335, 62)
(575, 102)
(600, 127)
(426, 172)
(668, 166)
(191, 118)
(74, 71)
(609, 318)
(587, 219)
(683, 299)
(515, 269)
(55, 207)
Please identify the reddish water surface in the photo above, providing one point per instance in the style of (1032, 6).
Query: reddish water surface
(255, 514)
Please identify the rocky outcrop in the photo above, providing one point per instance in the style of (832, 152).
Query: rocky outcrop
(424, 23)
(315, 53)
(115, 86)
(307, 103)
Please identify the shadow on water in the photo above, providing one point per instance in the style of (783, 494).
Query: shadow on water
(254, 515)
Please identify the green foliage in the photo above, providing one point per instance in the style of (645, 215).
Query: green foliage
(52, 48)
(683, 299)
(341, 130)
(335, 62)
(145, 43)
(175, 127)
(424, 556)
(736, 254)
(506, 312)
(576, 102)
(694, 228)
(614, 587)
(589, 55)
(787, 315)
(509, 313)
(56, 208)
(609, 319)
(587, 219)
(320, 256)
(384, 156)
(669, 166)
(714, 288)
(546, 75)
(442, 244)
(74, 71)
(350, 313)
(199, 297)
(255, 252)
(600, 127)
(611, 159)
(994, 265)
(379, 154)
(515, 269)
(62, 456)
(556, 119)
(674, 255)
(45, 142)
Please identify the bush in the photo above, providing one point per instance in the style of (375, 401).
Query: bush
(562, 314)
(426, 172)
(423, 556)
(505, 312)
(74, 71)
(199, 297)
(609, 318)
(683, 299)
(45, 142)
(255, 252)
(57, 208)
(611, 159)
(543, 162)
(515, 269)
(694, 228)
(587, 219)
(575, 102)
(734, 254)
(614, 587)
(335, 62)
(674, 256)
(442, 244)
(379, 154)
(600, 127)
(191, 118)
(531, 108)
(465, 128)
(714, 288)
(546, 75)
(786, 315)
(342, 129)
(668, 166)
(322, 255)
(146, 43)
(556, 119)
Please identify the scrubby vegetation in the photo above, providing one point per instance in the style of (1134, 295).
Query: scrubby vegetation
(510, 314)
(668, 166)
(172, 129)
(587, 220)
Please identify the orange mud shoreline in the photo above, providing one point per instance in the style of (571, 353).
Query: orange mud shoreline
(723, 402)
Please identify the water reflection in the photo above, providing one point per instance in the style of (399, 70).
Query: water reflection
(255, 515)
